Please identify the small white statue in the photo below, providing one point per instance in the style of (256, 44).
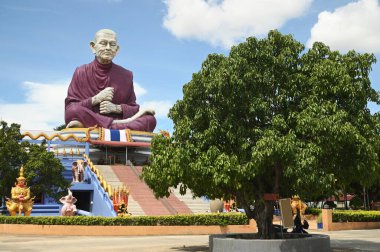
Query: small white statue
(68, 209)
(77, 169)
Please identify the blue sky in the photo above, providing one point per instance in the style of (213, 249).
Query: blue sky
(162, 42)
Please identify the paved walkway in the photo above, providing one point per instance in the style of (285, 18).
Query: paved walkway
(341, 241)
(355, 240)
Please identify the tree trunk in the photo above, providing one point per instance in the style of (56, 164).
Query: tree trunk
(263, 214)
(345, 201)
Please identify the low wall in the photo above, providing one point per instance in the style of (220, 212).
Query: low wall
(251, 243)
(328, 225)
(123, 230)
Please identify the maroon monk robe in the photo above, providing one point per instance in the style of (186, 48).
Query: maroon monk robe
(88, 80)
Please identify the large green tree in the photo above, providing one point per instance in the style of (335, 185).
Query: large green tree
(12, 155)
(45, 172)
(42, 170)
(270, 118)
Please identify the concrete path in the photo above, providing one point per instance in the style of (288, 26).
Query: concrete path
(341, 241)
(22, 243)
(355, 240)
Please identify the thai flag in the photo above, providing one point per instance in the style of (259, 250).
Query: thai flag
(115, 135)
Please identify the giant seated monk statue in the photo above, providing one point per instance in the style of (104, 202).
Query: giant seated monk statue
(101, 93)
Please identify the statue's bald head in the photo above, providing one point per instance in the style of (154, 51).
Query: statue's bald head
(104, 45)
(104, 31)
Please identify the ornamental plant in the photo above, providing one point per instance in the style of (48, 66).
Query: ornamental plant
(270, 117)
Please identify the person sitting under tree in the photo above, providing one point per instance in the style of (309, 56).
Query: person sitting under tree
(298, 209)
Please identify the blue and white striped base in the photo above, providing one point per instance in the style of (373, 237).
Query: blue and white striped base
(115, 135)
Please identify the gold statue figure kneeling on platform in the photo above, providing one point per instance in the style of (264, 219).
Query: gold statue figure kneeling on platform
(298, 209)
(20, 201)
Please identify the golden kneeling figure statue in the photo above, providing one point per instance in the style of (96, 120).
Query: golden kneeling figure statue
(297, 204)
(20, 201)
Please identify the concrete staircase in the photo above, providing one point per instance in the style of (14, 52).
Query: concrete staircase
(196, 205)
(144, 195)
(113, 180)
(140, 191)
(134, 208)
(141, 199)
(108, 174)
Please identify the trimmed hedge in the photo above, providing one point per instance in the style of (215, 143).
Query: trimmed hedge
(313, 211)
(170, 220)
(355, 216)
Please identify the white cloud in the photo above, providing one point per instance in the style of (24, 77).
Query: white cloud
(353, 26)
(161, 107)
(44, 106)
(45, 93)
(139, 90)
(226, 22)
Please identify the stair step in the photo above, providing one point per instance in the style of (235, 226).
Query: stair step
(197, 205)
(48, 207)
(145, 196)
(134, 208)
(45, 210)
(140, 191)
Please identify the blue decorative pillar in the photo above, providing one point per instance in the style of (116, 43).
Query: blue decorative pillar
(87, 149)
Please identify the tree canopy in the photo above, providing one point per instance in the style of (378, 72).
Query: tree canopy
(43, 171)
(60, 127)
(271, 118)
(12, 155)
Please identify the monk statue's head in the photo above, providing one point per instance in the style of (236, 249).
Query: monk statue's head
(104, 46)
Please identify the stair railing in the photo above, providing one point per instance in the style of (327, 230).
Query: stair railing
(107, 188)
(118, 195)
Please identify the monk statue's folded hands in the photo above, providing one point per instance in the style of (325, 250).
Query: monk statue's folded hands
(104, 95)
(107, 107)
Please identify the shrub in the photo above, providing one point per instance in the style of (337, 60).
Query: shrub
(356, 203)
(313, 211)
(319, 218)
(355, 216)
(171, 220)
(329, 205)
